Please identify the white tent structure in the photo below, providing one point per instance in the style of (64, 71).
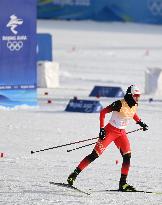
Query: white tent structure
(153, 81)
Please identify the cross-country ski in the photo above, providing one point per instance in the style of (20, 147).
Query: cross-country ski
(135, 191)
(69, 187)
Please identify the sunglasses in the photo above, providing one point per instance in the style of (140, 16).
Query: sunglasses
(136, 95)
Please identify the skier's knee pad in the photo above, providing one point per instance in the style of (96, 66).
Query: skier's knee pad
(92, 156)
(126, 158)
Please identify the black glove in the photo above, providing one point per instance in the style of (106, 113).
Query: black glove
(102, 134)
(143, 125)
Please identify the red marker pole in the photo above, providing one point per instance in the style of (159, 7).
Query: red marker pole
(2, 154)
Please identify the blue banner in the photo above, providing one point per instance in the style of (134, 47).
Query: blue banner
(145, 11)
(44, 47)
(85, 106)
(17, 47)
(107, 91)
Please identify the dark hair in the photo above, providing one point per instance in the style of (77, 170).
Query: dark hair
(129, 98)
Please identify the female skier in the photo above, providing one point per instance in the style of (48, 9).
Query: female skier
(122, 111)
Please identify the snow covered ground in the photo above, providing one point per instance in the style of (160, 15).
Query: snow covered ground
(89, 53)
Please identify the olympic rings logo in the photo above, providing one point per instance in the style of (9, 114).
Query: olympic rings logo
(14, 45)
(155, 6)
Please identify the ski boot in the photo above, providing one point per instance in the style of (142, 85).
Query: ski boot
(126, 188)
(72, 177)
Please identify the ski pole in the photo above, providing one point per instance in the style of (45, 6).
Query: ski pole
(134, 130)
(69, 150)
(71, 143)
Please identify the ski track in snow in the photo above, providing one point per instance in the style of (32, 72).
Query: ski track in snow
(89, 53)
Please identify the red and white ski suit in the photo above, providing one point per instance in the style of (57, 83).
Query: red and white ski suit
(115, 129)
(115, 132)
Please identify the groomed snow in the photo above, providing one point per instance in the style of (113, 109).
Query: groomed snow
(89, 53)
